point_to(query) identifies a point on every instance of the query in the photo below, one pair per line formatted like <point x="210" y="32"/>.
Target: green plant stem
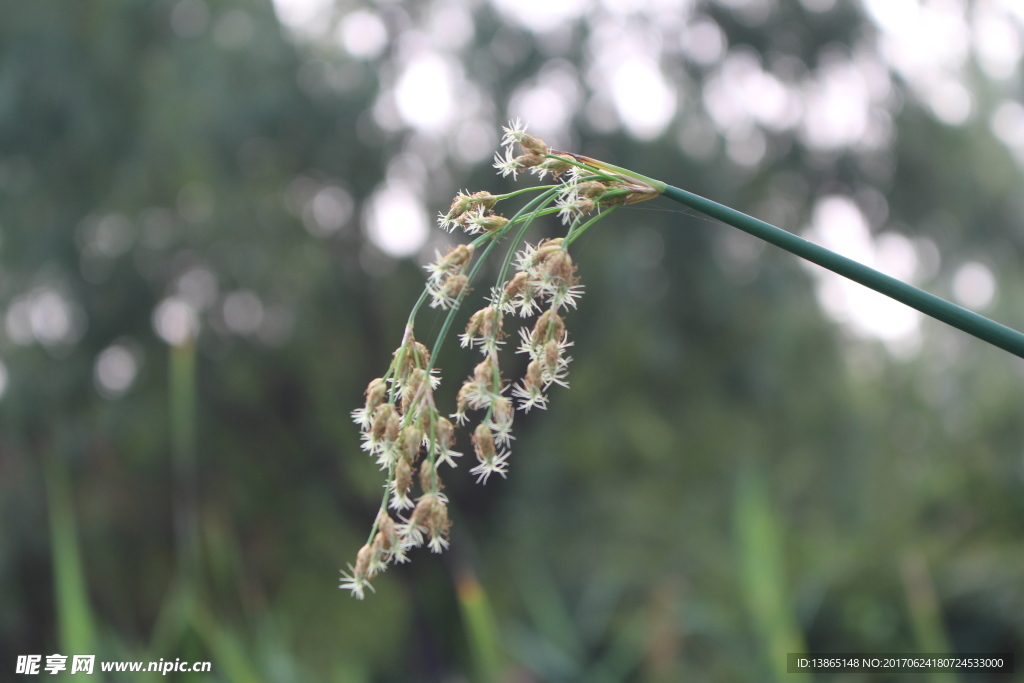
<point x="576" y="232"/>
<point x="76" y="627"/>
<point x="183" y="448"/>
<point x="533" y="188"/>
<point x="598" y="174"/>
<point x="976" y="325"/>
<point x="541" y="201"/>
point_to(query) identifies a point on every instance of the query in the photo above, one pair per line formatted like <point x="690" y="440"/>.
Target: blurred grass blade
<point x="762" y="573"/>
<point x="625" y="652"/>
<point x="226" y="652"/>
<point x="182" y="400"/>
<point x="480" y="626"/>
<point x="173" y="618"/>
<point x="74" y="616"/>
<point x="548" y="611"/>
<point x="925" y="612"/>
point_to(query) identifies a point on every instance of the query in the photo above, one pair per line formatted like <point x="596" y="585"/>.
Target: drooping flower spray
<point x="402" y="427"/>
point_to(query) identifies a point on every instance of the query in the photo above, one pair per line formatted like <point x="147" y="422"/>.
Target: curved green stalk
<point x="541" y="201"/>
<point x="968" y="321"/>
<point x="574" y="234"/>
<point x="515" y="193"/>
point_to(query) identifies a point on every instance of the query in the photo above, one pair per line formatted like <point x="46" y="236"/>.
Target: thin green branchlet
<point x="400" y="424"/>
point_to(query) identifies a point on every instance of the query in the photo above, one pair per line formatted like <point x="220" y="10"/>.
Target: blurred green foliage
<point x="140" y="161"/>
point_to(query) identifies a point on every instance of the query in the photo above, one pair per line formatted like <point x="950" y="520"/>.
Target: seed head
<point x="430" y="516"/>
<point x="465" y="205"/>
<point x="451" y="263"/>
<point x="402" y="484"/>
<point x="392" y="542"/>
<point x="516" y="132"/>
<point x="483" y="442"/>
<point x="555" y="167"/>
<point x="445" y="293"/>
<point x="491" y="460"/>
<point x="485" y="385"/>
<point x="363" y="560"/>
<point x="484" y="330"/>
<point x="414" y="390"/>
<point x="516" y="285"/>
<point x="549" y="326"/>
<point x="429" y="478"/>
<point x="454" y="286"/>
<point x="489" y="223"/>
<point x="444" y="435"/>
<point x="412" y="442"/>
<point x="590" y="189"/>
<point x="380" y="421"/>
<point x="501" y="420"/>
<point x="392" y="427"/>
<point x="444" y="431"/>
<point x="462" y="403"/>
<point x="530" y="391"/>
<point x="357" y="579"/>
<point x="375" y="393"/>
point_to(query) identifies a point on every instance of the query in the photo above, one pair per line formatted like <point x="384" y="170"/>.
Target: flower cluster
<point x="401" y="426"/>
<point x="447" y="276"/>
<point x="403" y="431"/>
<point x="536" y="155"/>
<point x="472" y="213"/>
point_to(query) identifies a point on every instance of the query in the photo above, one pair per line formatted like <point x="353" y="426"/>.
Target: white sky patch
<point x="396" y="221"/>
<point x="474" y="141"/>
<point x="548" y="102"/>
<point x="243" y="312"/>
<point x="175" y="321"/>
<point x="950" y="102"/>
<point x="996" y="40"/>
<point x="115" y="371"/>
<point x="306" y="18"/>
<point x="974" y="286"/>
<point x="644" y="99"/>
<point x="746" y="147"/>
<point x="671" y="11"/>
<point x="1007" y="124"/>
<point x="928" y="42"/>
<point x="541" y="15"/>
<point x="425" y="92"/>
<point x="450" y="25"/>
<point x="363" y="34"/>
<point x="704" y="42"/>
<point x="836" y="107"/>
<point x="625" y="72"/>
<point x="329" y="210"/>
<point x="740" y="93"/>
<point x="839" y="225"/>
<point x="197" y="287"/>
<point x="1012" y="7"/>
<point x="46" y="316"/>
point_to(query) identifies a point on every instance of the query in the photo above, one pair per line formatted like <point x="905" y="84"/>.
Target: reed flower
<point x="400" y="424"/>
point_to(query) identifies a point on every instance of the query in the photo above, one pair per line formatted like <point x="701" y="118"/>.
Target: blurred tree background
<point x="212" y="220"/>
